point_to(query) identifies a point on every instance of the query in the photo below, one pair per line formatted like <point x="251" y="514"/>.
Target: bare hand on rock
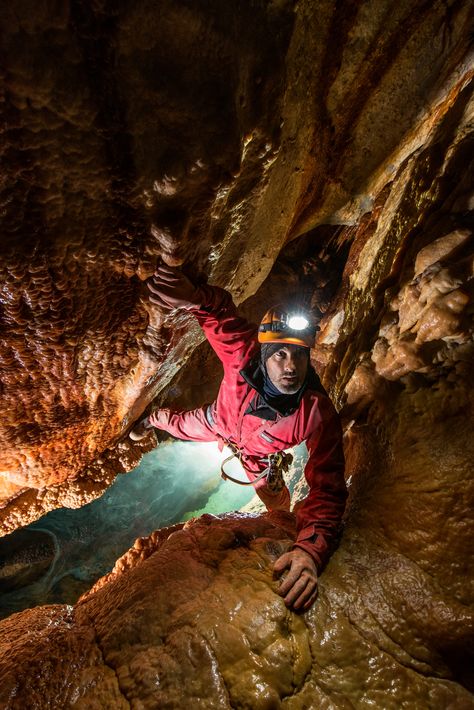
<point x="300" y="585"/>
<point x="170" y="288"/>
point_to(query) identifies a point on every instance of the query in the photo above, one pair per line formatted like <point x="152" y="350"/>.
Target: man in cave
<point x="270" y="399"/>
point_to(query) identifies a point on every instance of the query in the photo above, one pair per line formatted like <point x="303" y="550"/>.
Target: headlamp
<point x="296" y="322"/>
<point x="291" y="322"/>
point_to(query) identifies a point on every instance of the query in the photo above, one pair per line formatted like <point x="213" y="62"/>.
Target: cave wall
<point x="349" y="181"/>
<point x="199" y="134"/>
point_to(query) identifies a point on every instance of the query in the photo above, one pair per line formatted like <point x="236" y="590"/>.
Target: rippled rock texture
<point x="317" y="149"/>
<point x="190" y="617"/>
<point x="208" y="132"/>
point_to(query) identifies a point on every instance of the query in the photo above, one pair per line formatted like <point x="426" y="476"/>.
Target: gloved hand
<point x="170" y="288"/>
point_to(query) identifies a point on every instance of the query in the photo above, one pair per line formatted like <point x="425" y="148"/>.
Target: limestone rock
<point x="210" y="134"/>
<point x="25" y="556"/>
<point x="199" y="622"/>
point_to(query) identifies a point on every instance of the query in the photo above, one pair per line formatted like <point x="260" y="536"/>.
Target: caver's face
<point x="287" y="368"/>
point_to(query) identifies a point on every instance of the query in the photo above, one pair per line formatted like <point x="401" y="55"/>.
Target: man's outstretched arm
<point x="230" y="336"/>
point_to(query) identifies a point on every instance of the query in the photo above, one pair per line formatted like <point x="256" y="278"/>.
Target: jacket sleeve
<point x="318" y="518"/>
<point x="231" y="337"/>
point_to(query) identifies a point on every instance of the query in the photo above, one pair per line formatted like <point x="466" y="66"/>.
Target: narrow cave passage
<point x="313" y="155"/>
<point x="57" y="558"/>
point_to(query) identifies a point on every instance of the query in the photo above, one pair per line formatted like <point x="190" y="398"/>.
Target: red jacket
<point x="315" y="421"/>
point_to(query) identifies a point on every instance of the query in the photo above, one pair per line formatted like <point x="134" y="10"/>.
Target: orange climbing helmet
<point x="294" y="328"/>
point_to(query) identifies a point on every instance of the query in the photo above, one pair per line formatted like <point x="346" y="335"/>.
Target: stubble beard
<point x="289" y="388"/>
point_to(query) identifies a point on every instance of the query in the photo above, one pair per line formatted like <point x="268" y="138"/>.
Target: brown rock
<point x="440" y="249"/>
<point x="24" y="557"/>
<point x="209" y="137"/>
<point x="199" y="622"/>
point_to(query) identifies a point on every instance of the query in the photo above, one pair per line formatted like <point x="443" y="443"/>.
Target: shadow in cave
<point x="307" y="273"/>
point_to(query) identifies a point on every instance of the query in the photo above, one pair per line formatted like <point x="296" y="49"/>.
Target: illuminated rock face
<point x="124" y="135"/>
<point x="350" y="128"/>
<point x="209" y="134"/>
<point x="191" y="617"/>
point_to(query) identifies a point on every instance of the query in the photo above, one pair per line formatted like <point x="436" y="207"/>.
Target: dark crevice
<point x="307" y="274"/>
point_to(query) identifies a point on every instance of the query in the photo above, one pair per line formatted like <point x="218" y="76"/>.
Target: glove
<point x="170" y="288"/>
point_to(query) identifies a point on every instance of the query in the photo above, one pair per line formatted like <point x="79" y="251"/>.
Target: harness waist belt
<point x="278" y="464"/>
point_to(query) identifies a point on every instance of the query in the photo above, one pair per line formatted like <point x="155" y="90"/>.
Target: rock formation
<point x="191" y="616"/>
<point x="319" y="149"/>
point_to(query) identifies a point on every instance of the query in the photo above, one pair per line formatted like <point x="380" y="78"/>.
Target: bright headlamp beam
<point x="298" y="322"/>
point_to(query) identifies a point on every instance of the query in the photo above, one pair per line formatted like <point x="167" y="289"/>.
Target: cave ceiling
<point x="322" y="151"/>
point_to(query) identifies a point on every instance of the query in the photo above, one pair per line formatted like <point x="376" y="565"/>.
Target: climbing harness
<point x="278" y="464"/>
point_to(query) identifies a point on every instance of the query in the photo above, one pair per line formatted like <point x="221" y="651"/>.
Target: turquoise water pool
<point x="60" y="556"/>
<point x="171" y="483"/>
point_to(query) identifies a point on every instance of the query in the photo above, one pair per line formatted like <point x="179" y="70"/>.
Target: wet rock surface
<point x="192" y="615"/>
<point x="338" y="166"/>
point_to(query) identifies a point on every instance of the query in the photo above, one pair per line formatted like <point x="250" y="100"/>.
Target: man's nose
<point x="290" y="364"/>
